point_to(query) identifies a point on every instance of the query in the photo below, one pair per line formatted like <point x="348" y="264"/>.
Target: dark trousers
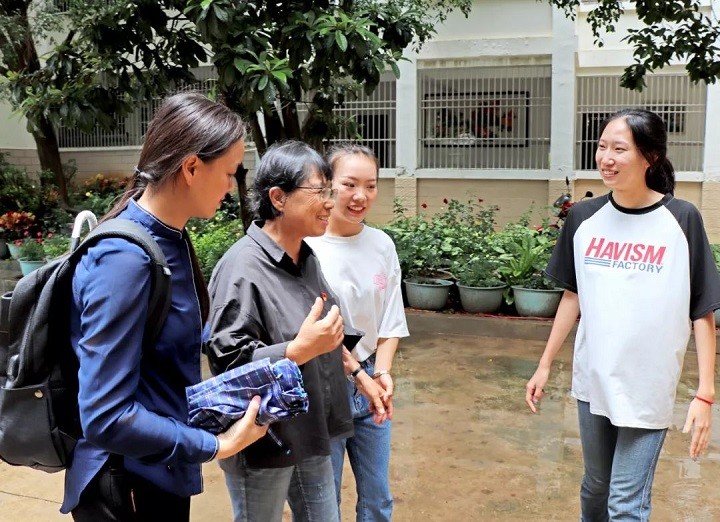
<point x="116" y="495"/>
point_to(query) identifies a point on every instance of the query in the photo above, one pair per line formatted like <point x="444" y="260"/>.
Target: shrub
<point x="56" y="245"/>
<point x="523" y="253"/>
<point x="17" y="225"/>
<point x="214" y="239"/>
<point x="99" y="193"/>
<point x="31" y="249"/>
<point x="443" y="242"/>
<point x="479" y="272"/>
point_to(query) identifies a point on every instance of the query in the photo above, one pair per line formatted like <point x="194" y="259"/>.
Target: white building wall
<point x="13" y="130"/>
<point x="497" y="34"/>
<point x="492" y="19"/>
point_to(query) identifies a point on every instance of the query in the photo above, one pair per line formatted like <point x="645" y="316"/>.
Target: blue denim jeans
<point x="369" y="454"/>
<point x="259" y="494"/>
<point x="619" y="468"/>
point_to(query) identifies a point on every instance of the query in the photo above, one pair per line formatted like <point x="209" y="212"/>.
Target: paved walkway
<point x="465" y="447"/>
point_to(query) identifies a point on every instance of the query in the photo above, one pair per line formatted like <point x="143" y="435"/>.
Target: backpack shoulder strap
<point x="160" y="297"/>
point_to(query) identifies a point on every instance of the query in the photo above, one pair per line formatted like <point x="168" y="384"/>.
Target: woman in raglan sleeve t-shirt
<point x="637" y="264"/>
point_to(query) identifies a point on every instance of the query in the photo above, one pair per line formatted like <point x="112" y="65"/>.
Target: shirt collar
<point x="275" y="251"/>
<point x="136" y="213"/>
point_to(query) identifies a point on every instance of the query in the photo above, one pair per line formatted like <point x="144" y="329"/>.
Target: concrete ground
<point x="464" y="445"/>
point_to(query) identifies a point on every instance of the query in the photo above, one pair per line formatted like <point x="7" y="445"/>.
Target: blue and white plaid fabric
<point x="216" y="403"/>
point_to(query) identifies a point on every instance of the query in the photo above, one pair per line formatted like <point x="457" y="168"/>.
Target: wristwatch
<point x="355" y="373"/>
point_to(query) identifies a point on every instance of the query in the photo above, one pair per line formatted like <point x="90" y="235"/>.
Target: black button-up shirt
<point x="260" y="297"/>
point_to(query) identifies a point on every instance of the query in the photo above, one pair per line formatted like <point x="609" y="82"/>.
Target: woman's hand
<point x="534" y="387"/>
<point x="376" y="395"/>
<point x="699" y="422"/>
<point x="242" y="433"/>
<point x="316" y="336"/>
<point x="386" y="383"/>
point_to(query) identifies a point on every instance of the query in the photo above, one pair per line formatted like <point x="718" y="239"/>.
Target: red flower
<point x="423" y="205"/>
<point x="324" y="296"/>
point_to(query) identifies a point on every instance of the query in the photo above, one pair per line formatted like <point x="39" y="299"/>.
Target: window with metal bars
<point x="674" y="98"/>
<point x="495" y="117"/>
<point x="131" y="129"/>
<point x="370" y="120"/>
<point x="63" y="6"/>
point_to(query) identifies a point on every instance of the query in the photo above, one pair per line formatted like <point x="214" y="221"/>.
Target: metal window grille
<point x="370" y="120"/>
<point x="495" y="117"/>
<point x="63" y="6"/>
<point x="673" y="97"/>
<point x="130" y="130"/>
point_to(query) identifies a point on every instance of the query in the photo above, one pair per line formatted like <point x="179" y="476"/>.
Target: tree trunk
<point x="257" y="135"/>
<point x="274" y="130"/>
<point x="49" y="155"/>
<point x="241" y="179"/>
<point x="291" y="120"/>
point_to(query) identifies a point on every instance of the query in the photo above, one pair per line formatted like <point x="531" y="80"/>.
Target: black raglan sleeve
<point x="561" y="267"/>
<point x="704" y="277"/>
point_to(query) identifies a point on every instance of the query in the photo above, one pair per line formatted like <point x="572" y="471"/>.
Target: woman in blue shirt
<point x="137" y="459"/>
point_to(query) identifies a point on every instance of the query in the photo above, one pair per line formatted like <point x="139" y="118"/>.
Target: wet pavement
<point x="464" y="445"/>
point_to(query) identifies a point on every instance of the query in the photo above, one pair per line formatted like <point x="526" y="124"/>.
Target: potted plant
<point x="538" y="296"/>
<point x="16" y="225"/>
<point x="32" y="254"/>
<point x="56" y="245"/>
<point x="524" y="253"/>
<point x="419" y="252"/>
<point x="479" y="284"/>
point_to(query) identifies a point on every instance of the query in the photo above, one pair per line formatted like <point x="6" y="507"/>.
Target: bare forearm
<point x="385" y="353"/>
<point x="565" y="319"/>
<point x="350" y="364"/>
<point x="704" y="330"/>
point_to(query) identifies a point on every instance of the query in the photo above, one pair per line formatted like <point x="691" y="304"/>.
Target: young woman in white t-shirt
<point x="637" y="263"/>
<point x="361" y="266"/>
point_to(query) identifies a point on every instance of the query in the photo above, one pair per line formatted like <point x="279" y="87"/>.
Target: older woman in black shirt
<point x="262" y="291"/>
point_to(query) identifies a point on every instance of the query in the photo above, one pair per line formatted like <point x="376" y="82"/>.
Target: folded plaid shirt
<point x="216" y="403"/>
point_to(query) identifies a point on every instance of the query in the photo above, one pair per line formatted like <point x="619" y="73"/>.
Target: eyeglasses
<point x="323" y="192"/>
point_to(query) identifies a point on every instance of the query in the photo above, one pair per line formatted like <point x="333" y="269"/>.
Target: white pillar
<point x="406" y="127"/>
<point x="407" y="117"/>
<point x="711" y="156"/>
<point x="563" y="103"/>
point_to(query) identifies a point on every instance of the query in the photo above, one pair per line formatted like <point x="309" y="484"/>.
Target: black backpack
<point x="39" y="418"/>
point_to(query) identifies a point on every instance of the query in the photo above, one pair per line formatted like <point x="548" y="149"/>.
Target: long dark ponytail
<point x="650" y="136"/>
<point x="185" y="124"/>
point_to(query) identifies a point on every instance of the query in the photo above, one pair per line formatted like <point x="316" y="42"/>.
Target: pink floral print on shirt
<point x="380" y="281"/>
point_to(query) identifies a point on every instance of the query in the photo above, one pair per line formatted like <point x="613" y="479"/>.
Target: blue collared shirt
<point x="132" y="402"/>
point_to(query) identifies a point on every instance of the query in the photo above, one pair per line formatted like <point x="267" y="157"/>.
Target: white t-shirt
<point x="363" y="272"/>
<point x="641" y="276"/>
